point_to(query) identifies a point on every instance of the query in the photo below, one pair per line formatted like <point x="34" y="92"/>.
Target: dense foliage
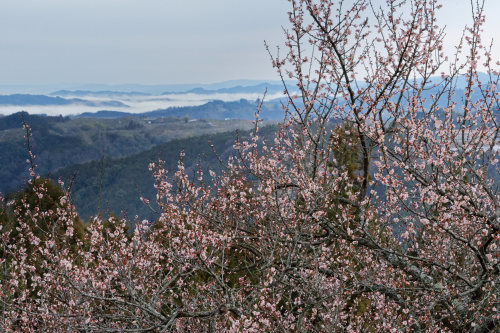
<point x="124" y="180"/>
<point x="387" y="223"/>
<point x="61" y="142"/>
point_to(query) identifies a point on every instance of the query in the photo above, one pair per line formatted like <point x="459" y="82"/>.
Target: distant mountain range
<point x="238" y="89"/>
<point x="114" y="101"/>
<point x="153" y="89"/>
<point x="242" y="109"/>
<point x="158" y="89"/>
<point x="101" y="93"/>
<point x="259" y="89"/>
<point x="27" y="99"/>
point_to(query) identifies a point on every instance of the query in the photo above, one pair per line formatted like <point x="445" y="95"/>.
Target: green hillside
<point x="125" y="179"/>
<point x="59" y="142"/>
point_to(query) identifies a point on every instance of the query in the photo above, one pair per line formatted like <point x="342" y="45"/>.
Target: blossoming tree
<point x="375" y="207"/>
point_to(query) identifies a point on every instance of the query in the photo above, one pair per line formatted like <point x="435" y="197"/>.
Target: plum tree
<point x="375" y="208"/>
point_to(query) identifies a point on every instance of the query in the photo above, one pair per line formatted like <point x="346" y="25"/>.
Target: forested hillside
<point x="125" y="180"/>
<point x="59" y="141"/>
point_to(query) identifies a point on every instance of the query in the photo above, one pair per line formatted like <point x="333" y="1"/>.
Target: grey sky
<point x="154" y="41"/>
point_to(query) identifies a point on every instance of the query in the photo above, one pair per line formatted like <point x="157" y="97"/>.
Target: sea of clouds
<point x="136" y="104"/>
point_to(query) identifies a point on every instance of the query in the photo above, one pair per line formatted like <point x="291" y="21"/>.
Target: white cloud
<point x="137" y="104"/>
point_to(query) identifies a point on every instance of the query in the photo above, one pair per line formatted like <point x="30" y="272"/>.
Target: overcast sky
<point x="155" y="41"/>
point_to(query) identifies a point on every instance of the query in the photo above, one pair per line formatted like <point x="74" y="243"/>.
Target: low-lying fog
<point x="136" y="104"/>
